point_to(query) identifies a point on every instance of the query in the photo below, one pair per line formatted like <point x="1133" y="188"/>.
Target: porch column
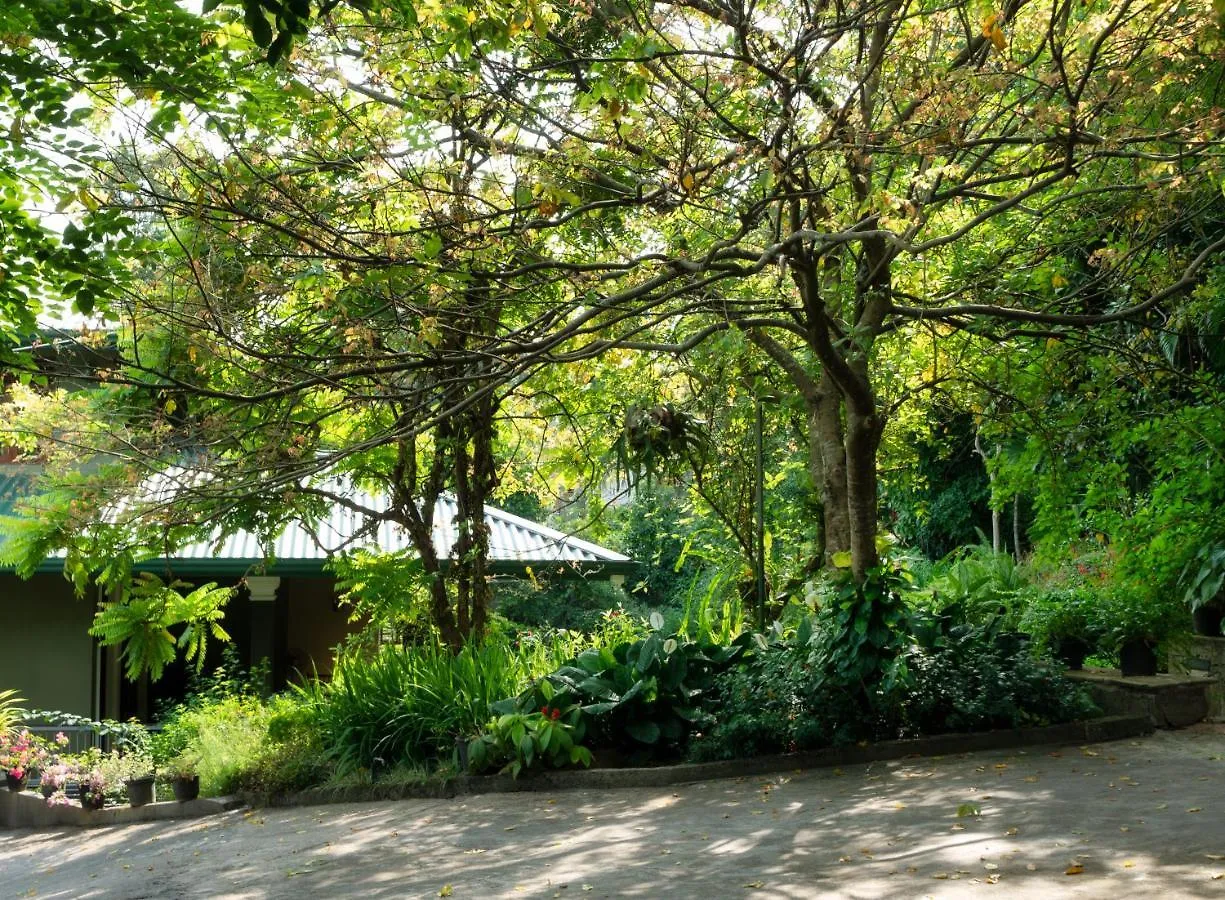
<point x="262" y="590"/>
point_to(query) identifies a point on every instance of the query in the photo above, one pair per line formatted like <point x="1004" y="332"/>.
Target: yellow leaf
<point x="1129" y="864"/>
<point x="989" y="23"/>
<point x="1058" y="281"/>
<point x="841" y="559"/>
<point x="997" y="38"/>
<point x="446" y="891"/>
<point x="1074" y="869"/>
<point x="688" y="183"/>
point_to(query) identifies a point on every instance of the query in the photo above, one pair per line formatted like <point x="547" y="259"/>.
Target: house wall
<point x="46" y="653"/>
<point x="313" y="625"/>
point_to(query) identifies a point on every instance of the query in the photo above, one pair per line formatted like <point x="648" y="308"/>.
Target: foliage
<point x="1132" y="613"/>
<point x="519" y="742"/>
<point x="10" y="710"/>
<point x="572" y="604"/>
<point x="1204" y="576"/>
<point x="860" y="642"/>
<point x="1053" y="614"/>
<point x="986" y="583"/>
<point x="412" y="703"/>
<point x="141" y="623"/>
<point x="940" y="502"/>
<point x="971" y="676"/>
<point x="644" y="695"/>
<point x="22" y="753"/>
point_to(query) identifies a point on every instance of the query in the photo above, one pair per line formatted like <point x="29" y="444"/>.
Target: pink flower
<point x="61" y="739"/>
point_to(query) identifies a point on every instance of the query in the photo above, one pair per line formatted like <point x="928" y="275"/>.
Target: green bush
<point x="518" y="742"/>
<point x="644" y="696"/>
<point x="412" y="704"/>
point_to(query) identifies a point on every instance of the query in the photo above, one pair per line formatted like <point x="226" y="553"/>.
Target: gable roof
<point x="516" y="544"/>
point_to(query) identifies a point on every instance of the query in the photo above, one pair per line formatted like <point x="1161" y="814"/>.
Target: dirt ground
<point x="1140" y="818"/>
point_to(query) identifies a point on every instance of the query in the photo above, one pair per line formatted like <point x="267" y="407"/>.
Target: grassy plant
<point x="412" y="704"/>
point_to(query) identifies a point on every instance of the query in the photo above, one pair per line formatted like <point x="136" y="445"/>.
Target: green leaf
<point x="643" y="730"/>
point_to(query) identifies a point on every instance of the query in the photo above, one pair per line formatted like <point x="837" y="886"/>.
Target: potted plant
<point x="139" y="780"/>
<point x="184" y="778"/>
<point x="1136" y="623"/>
<point x="1203" y="583"/>
<point x="21" y="755"/>
<point x="1063" y="621"/>
<point x="93" y="789"/>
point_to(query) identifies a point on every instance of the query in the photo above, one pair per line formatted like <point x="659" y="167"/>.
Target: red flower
<point x="556" y="714"/>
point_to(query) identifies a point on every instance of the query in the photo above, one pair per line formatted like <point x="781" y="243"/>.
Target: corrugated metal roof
<point x="514" y="542"/>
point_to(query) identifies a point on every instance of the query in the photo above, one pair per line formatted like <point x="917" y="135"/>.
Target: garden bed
<point x="1109" y="728"/>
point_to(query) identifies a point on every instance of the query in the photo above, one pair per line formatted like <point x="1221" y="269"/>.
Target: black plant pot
<point x="186" y="788"/>
<point x="92" y="801"/>
<point x="140" y="790"/>
<point x="1206" y="620"/>
<point x="1072" y="650"/>
<point x="1137" y="658"/>
<point x="15" y="784"/>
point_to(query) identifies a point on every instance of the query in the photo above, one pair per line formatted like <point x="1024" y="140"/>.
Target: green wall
<point x="46" y="653"/>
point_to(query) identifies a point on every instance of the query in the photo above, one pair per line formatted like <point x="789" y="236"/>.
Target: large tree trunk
<point x="863" y="434"/>
<point x="829" y="450"/>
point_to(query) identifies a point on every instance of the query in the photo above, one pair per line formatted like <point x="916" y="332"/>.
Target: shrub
<point x="643" y="695"/>
<point x="412" y="704"/>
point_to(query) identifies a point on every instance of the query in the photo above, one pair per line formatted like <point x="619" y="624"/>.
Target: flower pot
<point x="140" y="790"/>
<point x="46" y="790"/>
<point x="1137" y="657"/>
<point x="1072" y="651"/>
<point x="14" y="783"/>
<point x="90" y="800"/>
<point x="186" y="788"/>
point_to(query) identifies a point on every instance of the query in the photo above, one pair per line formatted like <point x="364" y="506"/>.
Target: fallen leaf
<point x="899" y="806"/>
<point x="993" y="879"/>
<point x="1194" y="809"/>
<point x="1129" y="864"/>
<point x="1218" y="876"/>
<point x="588" y="887"/>
<point x="968" y="809"/>
<point x="1031" y="867"/>
<point x="1124" y="828"/>
<point x="990" y="866"/>
<point x="446" y="891"/>
<point x="943" y="876"/>
<point x="1214" y="856"/>
<point x="754" y="884"/>
<point x="1074" y="869"/>
<point x="1011" y="832"/>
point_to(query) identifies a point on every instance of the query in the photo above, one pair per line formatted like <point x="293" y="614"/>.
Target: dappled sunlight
<point x="1125" y="819"/>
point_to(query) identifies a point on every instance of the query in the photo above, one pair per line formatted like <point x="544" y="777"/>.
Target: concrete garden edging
<point x="1109" y="728"/>
<point x="29" y="810"/>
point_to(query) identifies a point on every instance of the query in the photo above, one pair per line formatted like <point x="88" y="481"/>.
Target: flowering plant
<point x="22" y="753"/>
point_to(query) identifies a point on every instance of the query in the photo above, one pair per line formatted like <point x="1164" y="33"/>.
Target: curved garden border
<point x="1108" y="728"/>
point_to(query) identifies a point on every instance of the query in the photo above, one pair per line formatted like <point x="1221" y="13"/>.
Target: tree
<point x="368" y="249"/>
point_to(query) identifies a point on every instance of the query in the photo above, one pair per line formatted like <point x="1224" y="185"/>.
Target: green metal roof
<point x="515" y="543"/>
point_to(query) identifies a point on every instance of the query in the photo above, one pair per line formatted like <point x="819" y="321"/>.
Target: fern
<point x="141" y="623"/>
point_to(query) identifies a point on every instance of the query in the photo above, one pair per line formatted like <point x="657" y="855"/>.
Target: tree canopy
<point x="428" y="221"/>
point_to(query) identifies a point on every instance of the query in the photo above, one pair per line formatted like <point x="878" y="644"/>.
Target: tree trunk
<point x="863" y="434"/>
<point x="829" y="451"/>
